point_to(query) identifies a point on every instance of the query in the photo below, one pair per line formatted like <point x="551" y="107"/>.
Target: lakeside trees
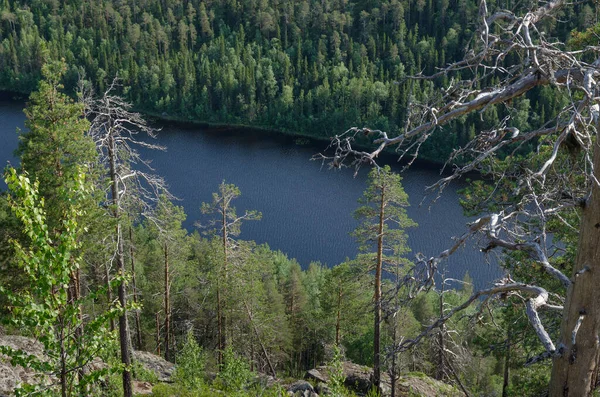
<point x="302" y="66"/>
<point x="533" y="195"/>
<point x="383" y="222"/>
<point x="280" y="318"/>
<point x="229" y="224"/>
<point x="513" y="63"/>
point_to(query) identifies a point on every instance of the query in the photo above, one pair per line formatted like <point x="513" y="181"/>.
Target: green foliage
<point x="166" y="390"/>
<point x="54" y="147"/>
<point x="384" y="193"/>
<point x="191" y="362"/>
<point x="141" y="373"/>
<point x="336" y="374"/>
<point x="234" y="375"/>
<point x="221" y="205"/>
<point x="298" y="66"/>
<point x="373" y="393"/>
<point x="46" y="309"/>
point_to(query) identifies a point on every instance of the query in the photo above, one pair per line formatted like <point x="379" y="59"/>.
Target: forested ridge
<point x="307" y="67"/>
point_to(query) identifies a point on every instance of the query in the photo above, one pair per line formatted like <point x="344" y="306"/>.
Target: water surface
<point x="307" y="208"/>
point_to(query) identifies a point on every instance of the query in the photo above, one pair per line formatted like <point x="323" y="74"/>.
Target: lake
<point x="306" y="207"/>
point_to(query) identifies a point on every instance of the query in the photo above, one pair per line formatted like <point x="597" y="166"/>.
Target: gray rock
<point x="322" y="389"/>
<point x="305" y="393"/>
<point x="300" y="386"/>
<point x="10" y="376"/>
<point x="316" y="375"/>
<point x="161" y="367"/>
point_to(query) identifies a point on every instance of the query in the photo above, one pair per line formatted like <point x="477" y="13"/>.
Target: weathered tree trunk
<point x="74" y="298"/>
<point x="441" y="368"/>
<point x="225" y="275"/>
<point x="220" y="341"/>
<point x="221" y="281"/>
<point x="167" y="307"/>
<point x="573" y="370"/>
<point x="392" y="371"/>
<point x="63" y="359"/>
<point x="377" y="295"/>
<point x="138" y="327"/>
<point x="124" y="338"/>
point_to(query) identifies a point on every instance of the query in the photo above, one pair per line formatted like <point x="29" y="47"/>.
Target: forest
<point x="95" y="265"/>
<point x="305" y="67"/>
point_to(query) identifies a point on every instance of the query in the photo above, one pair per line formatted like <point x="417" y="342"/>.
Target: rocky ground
<point x="315" y="382"/>
<point x="358" y="380"/>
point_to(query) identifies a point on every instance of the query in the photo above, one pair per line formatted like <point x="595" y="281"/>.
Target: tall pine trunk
<point x="221" y="282"/>
<point x="377" y="295"/>
<point x="124" y="338"/>
<point x="167" y="307"/>
<point x="138" y="326"/>
<point x="573" y="371"/>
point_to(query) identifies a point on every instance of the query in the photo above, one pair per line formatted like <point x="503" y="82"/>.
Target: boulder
<point x="142" y="388"/>
<point x="301" y="388"/>
<point x="322" y="389"/>
<point x="418" y="384"/>
<point x="265" y="381"/>
<point x="359" y="379"/>
<point x="161" y="367"/>
<point x="13" y="376"/>
<point x="315" y="375"/>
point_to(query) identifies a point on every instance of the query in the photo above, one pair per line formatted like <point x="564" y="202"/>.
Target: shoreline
<point x="156" y="118"/>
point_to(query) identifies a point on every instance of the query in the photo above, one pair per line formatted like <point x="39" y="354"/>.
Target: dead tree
<point x="114" y="129"/>
<point x="486" y="78"/>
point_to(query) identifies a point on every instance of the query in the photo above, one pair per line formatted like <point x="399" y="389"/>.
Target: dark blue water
<point x="307" y="209"/>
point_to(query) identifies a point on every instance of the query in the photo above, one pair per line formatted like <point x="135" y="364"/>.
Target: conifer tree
<point x="228" y="225"/>
<point x="384" y="219"/>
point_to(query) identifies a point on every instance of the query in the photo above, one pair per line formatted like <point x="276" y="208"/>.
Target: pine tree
<point x="384" y="219"/>
<point x="228" y="224"/>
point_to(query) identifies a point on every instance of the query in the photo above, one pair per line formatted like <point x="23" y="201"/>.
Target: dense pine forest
<point x="96" y="268"/>
<point x="306" y="67"/>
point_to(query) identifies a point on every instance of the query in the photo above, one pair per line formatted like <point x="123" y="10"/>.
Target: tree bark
<point x="441" y="369"/>
<point x="223" y="287"/>
<point x="262" y="346"/>
<point x="138" y="326"/>
<point x="573" y="370"/>
<point x="220" y="341"/>
<point x="109" y="296"/>
<point x="74" y="299"/>
<point x="124" y="338"/>
<point x="167" y="307"/>
<point x="377" y="296"/>
<point x="221" y="281"/>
